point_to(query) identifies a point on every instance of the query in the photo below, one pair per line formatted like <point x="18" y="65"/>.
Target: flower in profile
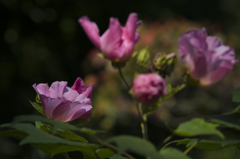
<point x="63" y="103"/>
<point x="147" y="88"/>
<point x="117" y="43"/>
<point x="206" y="58"/>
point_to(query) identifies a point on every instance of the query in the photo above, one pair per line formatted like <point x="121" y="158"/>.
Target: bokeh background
<point x="42" y="42"/>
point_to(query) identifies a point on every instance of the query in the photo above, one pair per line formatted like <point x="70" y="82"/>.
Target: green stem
<point x="143" y="118"/>
<point x="120" y="72"/>
<point x="192" y="146"/>
<point x="166" y="140"/>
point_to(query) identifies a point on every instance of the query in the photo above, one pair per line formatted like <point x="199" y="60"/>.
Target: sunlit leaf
<point x="38" y="107"/>
<point x="172" y="153"/>
<point x="196" y="127"/>
<point x="135" y="145"/>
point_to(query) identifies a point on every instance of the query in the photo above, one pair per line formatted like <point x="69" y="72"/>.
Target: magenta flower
<point x="147" y="88"/>
<point x="207" y="59"/>
<point x="63" y="103"/>
<point x="117" y="43"/>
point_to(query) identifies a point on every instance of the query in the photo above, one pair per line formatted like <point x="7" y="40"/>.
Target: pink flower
<point x="117" y="43"/>
<point x="207" y="59"/>
<point x="147" y="88"/>
<point x="63" y="103"/>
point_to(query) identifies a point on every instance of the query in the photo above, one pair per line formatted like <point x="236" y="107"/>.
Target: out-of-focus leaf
<point x="172" y="153"/>
<point x="236" y="95"/>
<point x="117" y="157"/>
<point x="231" y="120"/>
<point x="38" y="107"/>
<point x="208" y="144"/>
<point x="143" y="58"/>
<point x="63" y="133"/>
<point x="136" y="145"/>
<point x="104" y="153"/>
<point x="14" y="133"/>
<point x="196" y="127"/>
<point x="55" y="124"/>
<point x="50" y="143"/>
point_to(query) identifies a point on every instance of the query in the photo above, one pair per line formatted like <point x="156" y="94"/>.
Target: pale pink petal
<point x="91" y="30"/>
<point x="68" y="111"/>
<point x="49" y="104"/>
<point x="213" y="42"/>
<point x="79" y="85"/>
<point x="41" y="89"/>
<point x="131" y="26"/>
<point x="70" y="94"/>
<point x="111" y="40"/>
<point x="88" y="92"/>
<point x="83" y="99"/>
<point x="57" y="88"/>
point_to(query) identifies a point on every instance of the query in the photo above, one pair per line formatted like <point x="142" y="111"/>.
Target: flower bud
<point x="147" y="88"/>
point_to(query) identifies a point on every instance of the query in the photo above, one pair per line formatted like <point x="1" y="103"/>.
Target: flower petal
<point x="57" y="89"/>
<point x="91" y="30"/>
<point x="111" y="40"/>
<point x="213" y="42"/>
<point x="131" y="26"/>
<point x="70" y="94"/>
<point x="68" y="111"/>
<point x="88" y="92"/>
<point x="41" y="89"/>
<point x="49" y="104"/>
<point x="79" y="85"/>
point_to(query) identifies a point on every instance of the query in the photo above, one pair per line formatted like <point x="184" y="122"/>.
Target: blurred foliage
<point x="42" y="42"/>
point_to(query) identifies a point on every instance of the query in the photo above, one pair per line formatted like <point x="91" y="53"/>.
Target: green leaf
<point x="236" y="95"/>
<point x="104" y="153"/>
<point x="63" y="133"/>
<point x="117" y="157"/>
<point x="55" y="124"/>
<point x="136" y="145"/>
<point x="231" y="120"/>
<point x="38" y="107"/>
<point x="143" y="58"/>
<point x="209" y="144"/>
<point x="172" y="153"/>
<point x="14" y="133"/>
<point x="50" y="143"/>
<point x="196" y="127"/>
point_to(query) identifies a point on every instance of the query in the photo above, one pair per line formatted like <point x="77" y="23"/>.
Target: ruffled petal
<point x="68" y="111"/>
<point x="70" y="94"/>
<point x="49" y="104"/>
<point x="41" y="89"/>
<point x="79" y="86"/>
<point x="131" y="26"/>
<point x="83" y="99"/>
<point x="91" y="30"/>
<point x="57" y="89"/>
<point x="213" y="42"/>
<point x="111" y="40"/>
<point x="88" y="92"/>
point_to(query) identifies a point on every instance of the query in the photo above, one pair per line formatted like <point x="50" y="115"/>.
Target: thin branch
<point x="120" y="72"/>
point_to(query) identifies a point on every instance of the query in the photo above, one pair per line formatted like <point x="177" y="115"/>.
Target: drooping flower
<point x="63" y="103"/>
<point x="206" y="58"/>
<point x="147" y="88"/>
<point x="117" y="43"/>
